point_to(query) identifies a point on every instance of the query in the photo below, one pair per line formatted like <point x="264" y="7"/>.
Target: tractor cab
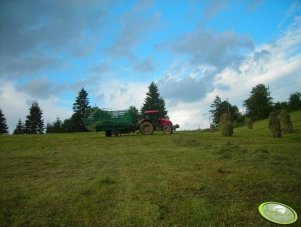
<point x="154" y="117"/>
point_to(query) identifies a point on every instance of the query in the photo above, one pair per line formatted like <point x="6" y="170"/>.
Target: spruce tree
<point x="153" y="101"/>
<point x="19" y="128"/>
<point x="81" y="103"/>
<point x="218" y="107"/>
<point x="215" y="110"/>
<point x="81" y="109"/>
<point x="55" y="127"/>
<point x="3" y="125"/>
<point x="34" y="123"/>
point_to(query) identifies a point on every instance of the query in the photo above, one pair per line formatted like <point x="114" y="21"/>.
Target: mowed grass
<point x="183" y="179"/>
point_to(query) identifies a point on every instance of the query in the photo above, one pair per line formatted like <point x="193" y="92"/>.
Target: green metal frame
<point x="120" y="120"/>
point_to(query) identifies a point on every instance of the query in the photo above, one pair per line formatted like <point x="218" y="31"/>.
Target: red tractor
<point x="152" y="122"/>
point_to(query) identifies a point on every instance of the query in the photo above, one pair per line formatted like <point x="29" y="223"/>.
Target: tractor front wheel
<point x="167" y="129"/>
<point x="146" y="128"/>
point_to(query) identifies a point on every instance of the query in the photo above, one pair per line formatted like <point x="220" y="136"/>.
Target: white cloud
<point x="276" y="64"/>
<point x="15" y="105"/>
<point x="115" y="94"/>
<point x="191" y="115"/>
<point x="280" y="69"/>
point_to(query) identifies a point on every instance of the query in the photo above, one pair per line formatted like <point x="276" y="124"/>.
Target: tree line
<point x="258" y="106"/>
<point x="34" y="123"/>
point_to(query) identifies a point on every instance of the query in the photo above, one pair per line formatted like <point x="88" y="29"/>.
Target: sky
<point x="193" y="50"/>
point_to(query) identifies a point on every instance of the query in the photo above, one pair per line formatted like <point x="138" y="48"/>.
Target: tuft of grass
<point x="181" y="179"/>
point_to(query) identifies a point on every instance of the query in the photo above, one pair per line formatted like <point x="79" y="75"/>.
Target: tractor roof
<point x="151" y="111"/>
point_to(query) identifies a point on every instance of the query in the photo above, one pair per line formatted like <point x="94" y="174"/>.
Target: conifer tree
<point x="81" y="103"/>
<point x="215" y="112"/>
<point x="3" y="125"/>
<point x="55" y="127"/>
<point x="218" y="107"/>
<point x="34" y="123"/>
<point x="81" y="109"/>
<point x="153" y="101"/>
<point x="19" y="128"/>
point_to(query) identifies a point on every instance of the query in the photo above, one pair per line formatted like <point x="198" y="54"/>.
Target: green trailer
<point x="111" y="122"/>
<point x="126" y="121"/>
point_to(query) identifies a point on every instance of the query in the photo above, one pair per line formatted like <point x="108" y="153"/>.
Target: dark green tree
<point x="49" y="128"/>
<point x="67" y="126"/>
<point x="153" y="101"/>
<point x="20" y="128"/>
<point x="218" y="107"/>
<point x="215" y="110"/>
<point x="134" y="112"/>
<point x="278" y="106"/>
<point x="81" y="108"/>
<point x="259" y="104"/>
<point x="294" y="102"/>
<point x="55" y="127"/>
<point x="3" y="125"/>
<point x="77" y="125"/>
<point x="34" y="123"/>
<point x="81" y="103"/>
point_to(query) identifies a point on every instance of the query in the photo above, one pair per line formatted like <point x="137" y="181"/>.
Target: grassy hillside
<point x="183" y="179"/>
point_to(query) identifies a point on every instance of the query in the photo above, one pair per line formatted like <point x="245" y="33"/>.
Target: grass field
<point x="183" y="179"/>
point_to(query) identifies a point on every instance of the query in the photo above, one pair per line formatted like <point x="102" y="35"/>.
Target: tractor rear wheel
<point x="167" y="129"/>
<point x="146" y="128"/>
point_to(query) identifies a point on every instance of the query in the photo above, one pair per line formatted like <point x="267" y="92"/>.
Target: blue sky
<point x="194" y="50"/>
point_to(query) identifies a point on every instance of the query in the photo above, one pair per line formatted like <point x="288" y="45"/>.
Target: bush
<point x="274" y="125"/>
<point x="285" y="122"/>
<point x="226" y="125"/>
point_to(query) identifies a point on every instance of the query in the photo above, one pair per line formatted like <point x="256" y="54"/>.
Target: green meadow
<point x="181" y="179"/>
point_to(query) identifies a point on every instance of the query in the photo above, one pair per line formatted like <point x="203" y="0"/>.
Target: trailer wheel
<point x="146" y="128"/>
<point x="108" y="133"/>
<point x="167" y="129"/>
